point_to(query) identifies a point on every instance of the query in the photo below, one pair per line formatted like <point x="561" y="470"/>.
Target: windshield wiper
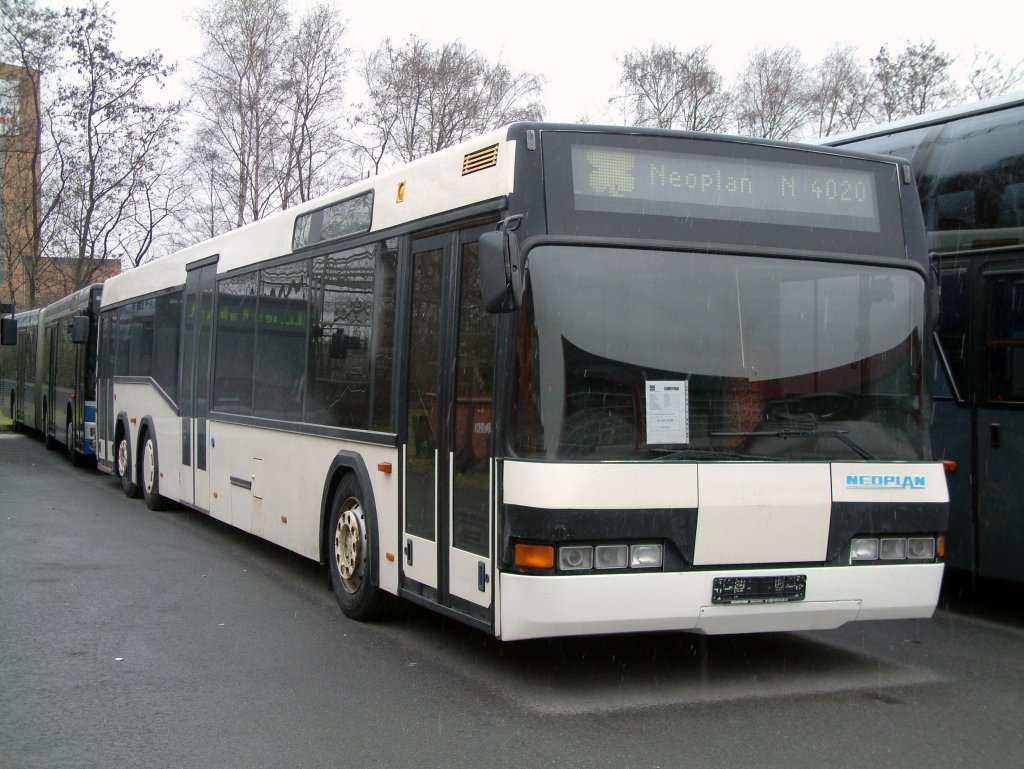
<point x="702" y="454"/>
<point x="839" y="435"/>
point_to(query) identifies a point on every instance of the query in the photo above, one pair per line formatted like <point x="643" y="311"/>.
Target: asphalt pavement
<point x="130" y="638"/>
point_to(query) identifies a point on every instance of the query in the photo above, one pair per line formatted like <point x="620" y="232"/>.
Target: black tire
<point x="73" y="454"/>
<point x="48" y="441"/>
<point x="123" y="466"/>
<point x="349" y="549"/>
<point x="149" y="475"/>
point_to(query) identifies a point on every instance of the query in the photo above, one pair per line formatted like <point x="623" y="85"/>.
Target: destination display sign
<point x="634" y="181"/>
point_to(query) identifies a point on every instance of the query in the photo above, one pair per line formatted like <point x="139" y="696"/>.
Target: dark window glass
<point x="952" y="328"/>
<point x="974" y="183"/>
<point x="236" y="344"/>
<point x="207" y="288"/>
<point x="473" y="385"/>
<point x="424" y="361"/>
<point x="1003" y="346"/>
<point x="349" y="217"/>
<point x="165" y="342"/>
<point x="339" y="392"/>
<point x="105" y="364"/>
<point x="122" y="341"/>
<point x="67" y="358"/>
<point x="89" y="376"/>
<point x="141" y="346"/>
<point x="281" y="325"/>
<point x="383" y="336"/>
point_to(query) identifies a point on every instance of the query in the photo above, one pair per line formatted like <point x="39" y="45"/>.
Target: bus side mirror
<point x="80" y="329"/>
<point x="501" y="271"/>
<point x="8" y="332"/>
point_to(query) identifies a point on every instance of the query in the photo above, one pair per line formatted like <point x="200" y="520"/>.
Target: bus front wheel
<point x="350" y="544"/>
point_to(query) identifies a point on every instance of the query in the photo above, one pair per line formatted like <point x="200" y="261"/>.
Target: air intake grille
<point x="479" y="160"/>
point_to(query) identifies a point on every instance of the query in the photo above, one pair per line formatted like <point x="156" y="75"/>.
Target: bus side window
<point x="1003" y="356"/>
<point x="952" y="328"/>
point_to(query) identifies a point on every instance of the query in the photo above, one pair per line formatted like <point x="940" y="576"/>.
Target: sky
<point x="576" y="46"/>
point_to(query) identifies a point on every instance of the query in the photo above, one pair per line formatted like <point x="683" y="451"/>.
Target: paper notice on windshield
<point x="668" y="412"/>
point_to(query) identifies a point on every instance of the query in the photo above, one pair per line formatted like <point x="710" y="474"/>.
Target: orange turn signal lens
<point x="949" y="465"/>
<point x="535" y="556"/>
<point x="940" y="545"/>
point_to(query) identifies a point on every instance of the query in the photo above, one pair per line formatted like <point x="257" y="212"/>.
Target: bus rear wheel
<point x="350" y="545"/>
<point x="150" y="475"/>
<point x="124" y="467"/>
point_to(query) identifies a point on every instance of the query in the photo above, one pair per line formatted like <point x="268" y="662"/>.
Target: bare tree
<point x="990" y="76"/>
<point x="421" y="99"/>
<point x="772" y="96"/>
<point x="89" y="169"/>
<point x="270" y="99"/>
<point x="316" y="68"/>
<point x="241" y="90"/>
<point x="114" y="146"/>
<point x="840" y="98"/>
<point x="914" y="82"/>
<point x="668" y="88"/>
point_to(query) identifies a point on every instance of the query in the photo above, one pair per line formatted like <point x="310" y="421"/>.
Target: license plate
<point x="751" y="590"/>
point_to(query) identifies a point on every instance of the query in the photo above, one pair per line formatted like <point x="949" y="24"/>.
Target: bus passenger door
<point x="49" y="382"/>
<point x="448" y="522"/>
<point x="1000" y="418"/>
<point x="200" y="283"/>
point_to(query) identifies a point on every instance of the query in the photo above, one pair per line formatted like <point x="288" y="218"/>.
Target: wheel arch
<point x="350" y="463"/>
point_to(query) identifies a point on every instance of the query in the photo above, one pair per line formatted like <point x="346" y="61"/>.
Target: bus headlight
<point x="645" y="556"/>
<point x="893" y="549"/>
<point x="921" y="548"/>
<point x="611" y="556"/>
<point x="864" y="550"/>
<point x="575" y="557"/>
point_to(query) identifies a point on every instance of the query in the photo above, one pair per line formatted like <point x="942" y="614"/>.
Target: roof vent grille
<point x="479" y="160"/>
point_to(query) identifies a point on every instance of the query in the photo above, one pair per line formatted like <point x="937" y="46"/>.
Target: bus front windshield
<point x="625" y="354"/>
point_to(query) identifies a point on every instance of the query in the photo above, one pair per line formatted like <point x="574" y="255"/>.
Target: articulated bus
<point x="48" y="377"/>
<point x="969" y="164"/>
<point x="557" y="381"/>
<point x="18" y="371"/>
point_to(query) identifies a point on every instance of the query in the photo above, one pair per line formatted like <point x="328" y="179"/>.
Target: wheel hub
<point x="348" y="545"/>
<point x="122" y="457"/>
<point x="149" y="467"/>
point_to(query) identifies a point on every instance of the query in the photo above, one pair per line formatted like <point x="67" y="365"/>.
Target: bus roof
<point x="932" y="118"/>
<point x="432" y="184"/>
<point x="444" y="181"/>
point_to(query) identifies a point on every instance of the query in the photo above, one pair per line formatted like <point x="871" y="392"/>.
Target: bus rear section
<point x="717" y="407"/>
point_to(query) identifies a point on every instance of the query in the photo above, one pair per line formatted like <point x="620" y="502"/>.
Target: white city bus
<point x="556" y="381"/>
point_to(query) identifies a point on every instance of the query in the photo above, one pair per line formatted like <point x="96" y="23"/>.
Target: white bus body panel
<point x="538" y="607"/>
<point x="747" y="513"/>
<point x="599" y="486"/>
<point x="287" y="472"/>
<point x="762" y="513"/>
